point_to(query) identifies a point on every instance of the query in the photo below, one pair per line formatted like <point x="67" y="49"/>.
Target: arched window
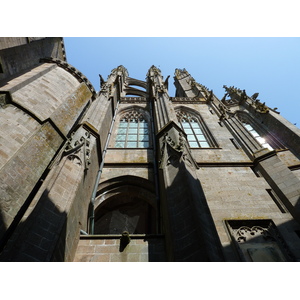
<point x="260" y="132"/>
<point x="259" y="138"/>
<point x="133" y="131"/>
<point x="197" y="133"/>
<point x="126" y="203"/>
<point x="125" y="213"/>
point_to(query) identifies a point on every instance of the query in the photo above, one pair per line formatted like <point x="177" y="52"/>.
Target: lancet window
<point x="133" y="131"/>
<point x="198" y="135"/>
<point x="259" y="138"/>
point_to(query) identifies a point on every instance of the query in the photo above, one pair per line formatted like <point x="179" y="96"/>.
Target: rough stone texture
<point x="49" y="229"/>
<point x="139" y="156"/>
<point x="284" y="130"/>
<point x="20" y="54"/>
<point x="28" y="147"/>
<point x="21" y="173"/>
<point x="288" y="158"/>
<point x="16" y="129"/>
<point x="9" y="42"/>
<point x="59" y="169"/>
<point x="297" y="173"/>
<point x="130" y="170"/>
<point x="57" y="85"/>
<point x="283" y="181"/>
<point x="108" y="250"/>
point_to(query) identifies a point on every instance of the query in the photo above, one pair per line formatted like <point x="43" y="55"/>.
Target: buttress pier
<point x="130" y="173"/>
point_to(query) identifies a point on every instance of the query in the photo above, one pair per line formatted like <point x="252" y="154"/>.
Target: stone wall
<point x="237" y="193"/>
<point x="35" y="125"/>
<point x="104" y="249"/>
<point x="20" y="54"/>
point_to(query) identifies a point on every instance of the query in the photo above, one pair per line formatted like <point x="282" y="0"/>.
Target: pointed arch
<point x="198" y="134"/>
<point x="125" y="203"/>
<point x="133" y="128"/>
<point x="258" y="131"/>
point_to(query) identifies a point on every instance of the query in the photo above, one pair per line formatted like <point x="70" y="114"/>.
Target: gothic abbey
<point x="131" y="174"/>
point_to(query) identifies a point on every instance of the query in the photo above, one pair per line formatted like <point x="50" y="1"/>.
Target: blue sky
<point x="269" y="66"/>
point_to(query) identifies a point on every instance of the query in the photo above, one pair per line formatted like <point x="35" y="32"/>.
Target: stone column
<point x="163" y="109"/>
<point x="190" y="231"/>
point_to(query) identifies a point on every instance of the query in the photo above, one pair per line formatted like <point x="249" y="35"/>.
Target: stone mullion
<point x="158" y="114"/>
<point x="243" y="136"/>
<point x="164" y="113"/>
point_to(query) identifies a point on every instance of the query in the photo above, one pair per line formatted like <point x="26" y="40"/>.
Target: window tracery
<point x="198" y="135"/>
<point x="258" y="240"/>
<point x="262" y="141"/>
<point x="133" y="131"/>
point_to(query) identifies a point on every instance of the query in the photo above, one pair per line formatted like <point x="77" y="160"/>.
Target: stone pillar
<point x="49" y="229"/>
<point x="41" y="108"/>
<point x="282" y="180"/>
<point x="190" y="231"/>
<point x="163" y="110"/>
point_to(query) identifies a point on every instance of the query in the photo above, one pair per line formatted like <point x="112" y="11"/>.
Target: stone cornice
<point x="72" y="70"/>
<point x="133" y="100"/>
<point x="188" y="100"/>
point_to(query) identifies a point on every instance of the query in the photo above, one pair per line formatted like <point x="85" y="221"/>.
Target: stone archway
<point x="126" y="205"/>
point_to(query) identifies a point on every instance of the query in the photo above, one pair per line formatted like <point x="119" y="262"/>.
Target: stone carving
<point x="156" y="72"/>
<point x="80" y="141"/>
<point x="254" y="96"/>
<point x="102" y="81"/>
<point x="210" y="96"/>
<point x="133" y="115"/>
<point x="225" y="112"/>
<point x="181" y="73"/>
<point x="120" y="69"/>
<point x="5" y="98"/>
<point x="166" y="84"/>
<point x="159" y="89"/>
<point x="265" y="235"/>
<point x="244" y="233"/>
<point x="175" y="149"/>
<point x="236" y="96"/>
<point x="260" y="107"/>
<point x="75" y="159"/>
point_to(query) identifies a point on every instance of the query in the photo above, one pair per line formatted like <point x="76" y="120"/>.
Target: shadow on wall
<point x="125" y="203"/>
<point x="261" y="241"/>
<point x="190" y="231"/>
<point x="2" y="229"/>
<point x="39" y="238"/>
<point x="155" y="251"/>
